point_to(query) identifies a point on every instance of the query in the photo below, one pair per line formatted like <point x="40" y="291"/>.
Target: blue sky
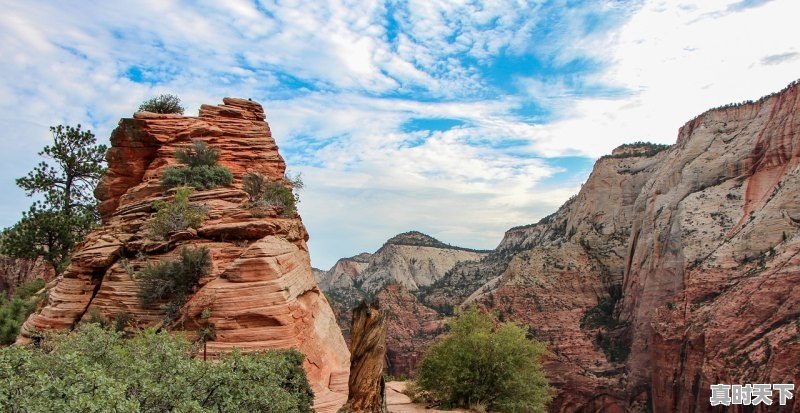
<point x="456" y="118"/>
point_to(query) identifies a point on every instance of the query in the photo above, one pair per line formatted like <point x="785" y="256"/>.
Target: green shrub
<point x="97" y="370"/>
<point x="177" y="215"/>
<point x="198" y="154"/>
<point x="29" y="289"/>
<point x="201" y="177"/>
<point x="173" y="278"/>
<point x="14" y="311"/>
<point x="201" y="170"/>
<point x="265" y="194"/>
<point x="480" y="364"/>
<point x="164" y="103"/>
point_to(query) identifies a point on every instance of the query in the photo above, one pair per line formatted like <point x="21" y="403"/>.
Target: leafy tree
<point x="479" y="363"/>
<point x="164" y="103"/>
<point x="51" y="228"/>
<point x="200" y="171"/>
<point x="97" y="370"/>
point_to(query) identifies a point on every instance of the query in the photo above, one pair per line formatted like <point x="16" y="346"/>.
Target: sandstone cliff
<point x="672" y="269"/>
<point x="260" y="294"/>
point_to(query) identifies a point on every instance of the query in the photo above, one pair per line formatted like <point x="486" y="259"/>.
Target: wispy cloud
<point x="455" y="118"/>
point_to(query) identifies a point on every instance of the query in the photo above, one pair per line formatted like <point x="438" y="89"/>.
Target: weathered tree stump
<point x="368" y="350"/>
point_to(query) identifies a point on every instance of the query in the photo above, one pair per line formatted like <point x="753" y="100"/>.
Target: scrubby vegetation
<point x="176" y="215"/>
<point x="164" y="103"/>
<point x="15" y="310"/>
<point x="483" y="363"/>
<point x="173" y="279"/>
<point x="642" y="149"/>
<point x="97" y="370"/>
<point x="265" y="195"/>
<point x="200" y="168"/>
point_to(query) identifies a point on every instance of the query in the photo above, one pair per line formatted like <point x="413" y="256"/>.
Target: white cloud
<point x="358" y="79"/>
<point x="679" y="61"/>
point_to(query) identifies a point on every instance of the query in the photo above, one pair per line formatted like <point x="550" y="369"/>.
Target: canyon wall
<point x="672" y="269"/>
<point x="260" y="294"/>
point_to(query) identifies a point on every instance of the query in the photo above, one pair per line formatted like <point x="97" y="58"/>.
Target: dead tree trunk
<point x="368" y="350"/>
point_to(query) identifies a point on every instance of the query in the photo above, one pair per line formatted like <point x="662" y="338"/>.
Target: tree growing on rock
<point x="164" y="103"/>
<point x="52" y="227"/>
<point x="483" y="363"/>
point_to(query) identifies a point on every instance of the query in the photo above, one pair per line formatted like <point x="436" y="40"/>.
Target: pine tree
<point x="51" y="228"/>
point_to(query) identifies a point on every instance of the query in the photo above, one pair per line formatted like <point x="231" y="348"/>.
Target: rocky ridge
<point x="672" y="269"/>
<point x="260" y="294"/>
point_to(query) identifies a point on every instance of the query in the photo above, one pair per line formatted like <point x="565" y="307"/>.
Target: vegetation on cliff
<point x="164" y="103"/>
<point x="173" y="279"/>
<point x="483" y="363"/>
<point x="200" y="168"/>
<point x="176" y="215"/>
<point x="96" y="369"/>
<point x="264" y="195"/>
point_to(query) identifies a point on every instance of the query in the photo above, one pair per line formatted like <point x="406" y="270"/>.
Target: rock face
<point x="671" y="270"/>
<point x="15" y="272"/>
<point x="260" y="294"/>
<point x="407" y="262"/>
<point x="413" y="260"/>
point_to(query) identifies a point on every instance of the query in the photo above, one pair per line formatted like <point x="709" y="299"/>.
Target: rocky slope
<point x="408" y="262"/>
<point x="672" y="269"/>
<point x="15" y="272"/>
<point x="260" y="294"/>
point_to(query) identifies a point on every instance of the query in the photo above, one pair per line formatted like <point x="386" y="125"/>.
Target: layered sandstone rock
<point x="260" y="294"/>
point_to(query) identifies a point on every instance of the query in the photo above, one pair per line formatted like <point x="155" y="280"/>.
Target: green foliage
<point x="97" y="370"/>
<point x="12" y="314"/>
<point x="201" y="177"/>
<point x="281" y="195"/>
<point x="14" y="311"/>
<point x="198" y="154"/>
<point x="201" y="170"/>
<point x="29" y="289"/>
<point x="164" y="103"/>
<point x="173" y="278"/>
<point x="479" y="363"/>
<point x="177" y="215"/>
<point x="53" y="227"/>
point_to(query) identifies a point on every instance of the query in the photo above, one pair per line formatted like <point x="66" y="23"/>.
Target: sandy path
<point x="400" y="403"/>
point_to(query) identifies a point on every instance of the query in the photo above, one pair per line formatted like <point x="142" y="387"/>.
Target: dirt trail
<point x="400" y="403"/>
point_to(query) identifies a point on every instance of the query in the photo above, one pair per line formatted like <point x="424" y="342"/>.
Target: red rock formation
<point x="260" y="293"/>
<point x="15" y="272"/>
<point x="412" y="328"/>
<point x="712" y="290"/>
